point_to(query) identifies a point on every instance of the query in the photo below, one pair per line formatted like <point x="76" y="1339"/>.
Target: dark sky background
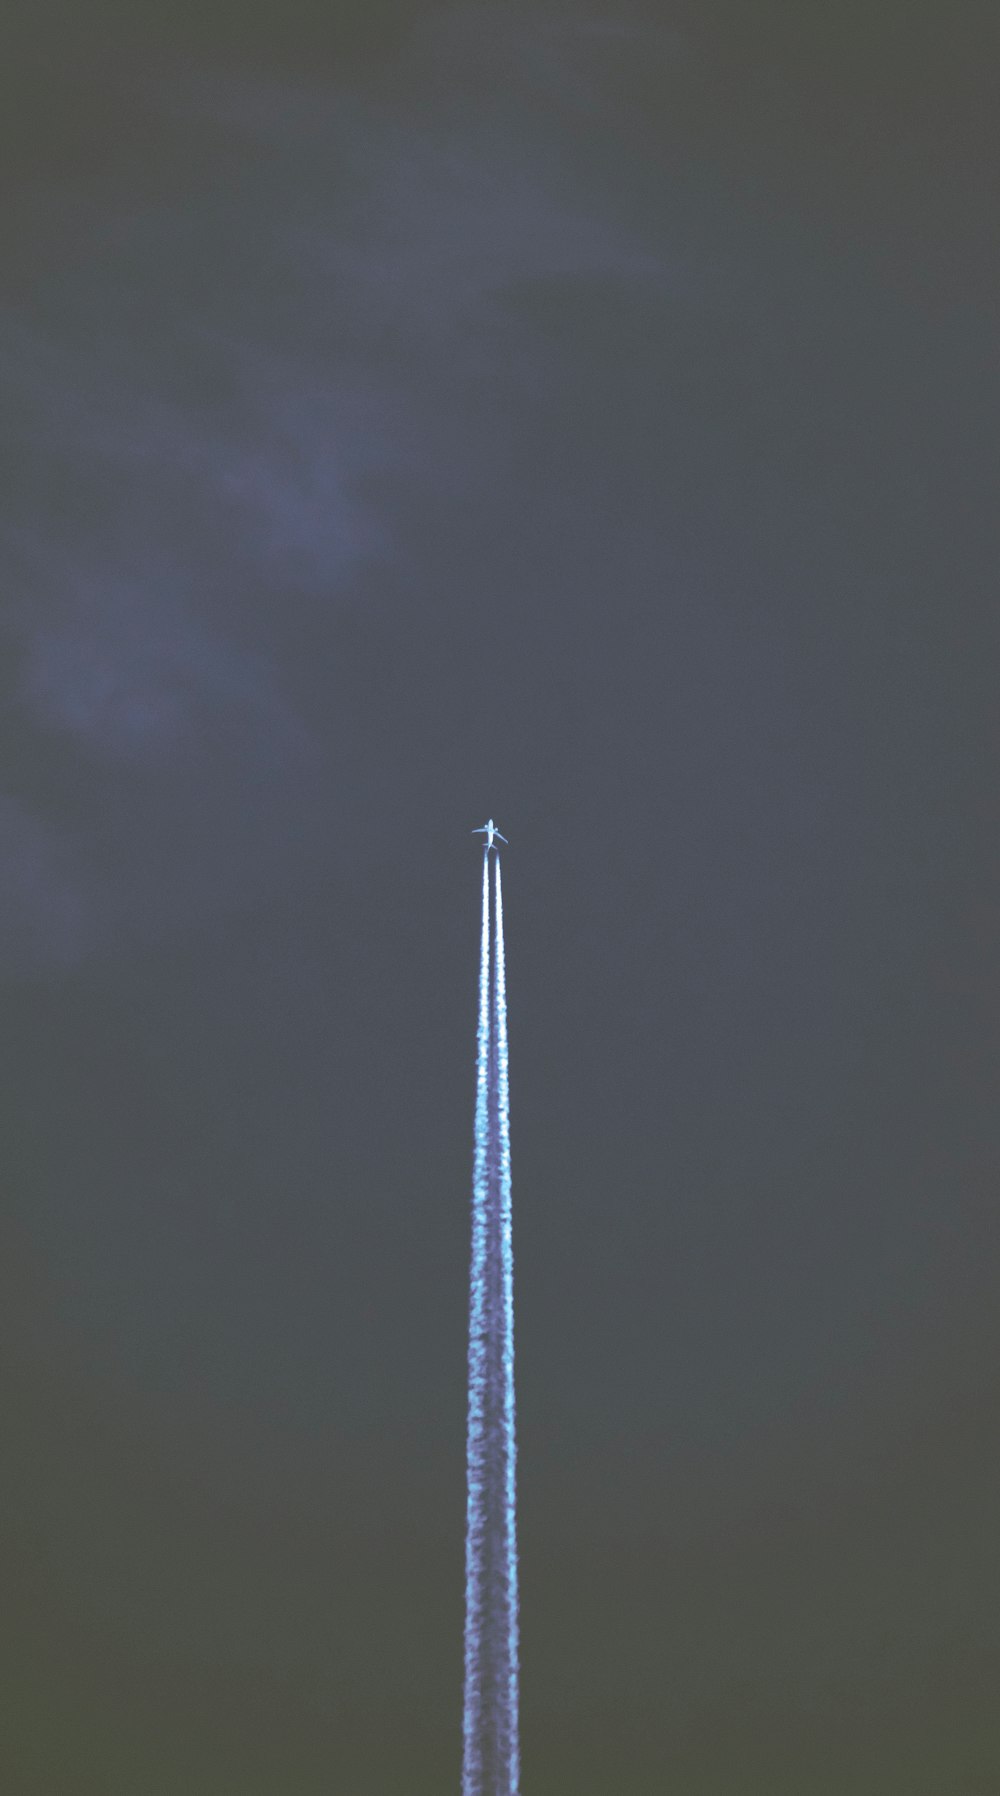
<point x="589" y="417"/>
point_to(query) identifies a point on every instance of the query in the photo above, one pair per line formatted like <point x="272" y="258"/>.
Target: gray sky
<point x="587" y="419"/>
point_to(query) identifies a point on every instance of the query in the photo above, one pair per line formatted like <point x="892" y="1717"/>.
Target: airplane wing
<point x="481" y="831"/>
<point x="500" y="838"/>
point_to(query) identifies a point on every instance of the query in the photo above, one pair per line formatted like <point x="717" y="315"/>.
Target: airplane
<point x="492" y="834"/>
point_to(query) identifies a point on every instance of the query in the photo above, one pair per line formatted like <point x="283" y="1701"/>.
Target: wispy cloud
<point x="203" y="405"/>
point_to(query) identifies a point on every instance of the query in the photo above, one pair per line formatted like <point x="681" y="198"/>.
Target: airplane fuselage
<point x="492" y="834"/>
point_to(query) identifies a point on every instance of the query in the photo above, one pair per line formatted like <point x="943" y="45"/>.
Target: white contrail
<point x="476" y="1618"/>
<point x="490" y="1762"/>
<point x="509" y="1731"/>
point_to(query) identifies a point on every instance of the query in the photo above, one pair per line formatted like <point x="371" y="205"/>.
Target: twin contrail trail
<point x="490" y="1759"/>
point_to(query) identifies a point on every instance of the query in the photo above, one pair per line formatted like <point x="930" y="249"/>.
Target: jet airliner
<point x="492" y="834"/>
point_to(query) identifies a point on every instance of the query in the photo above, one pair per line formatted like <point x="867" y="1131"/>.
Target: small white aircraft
<point x="492" y="834"/>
